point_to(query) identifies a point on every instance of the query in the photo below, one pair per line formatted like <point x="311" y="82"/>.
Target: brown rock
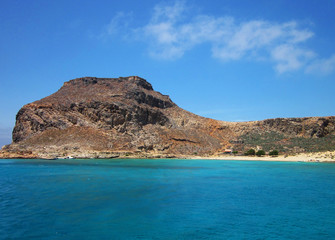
<point x="90" y="117"/>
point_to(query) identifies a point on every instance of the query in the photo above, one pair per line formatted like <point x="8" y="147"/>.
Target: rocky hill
<point x="110" y="117"/>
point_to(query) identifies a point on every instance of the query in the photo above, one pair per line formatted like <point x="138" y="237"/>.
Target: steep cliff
<point x="108" y="117"/>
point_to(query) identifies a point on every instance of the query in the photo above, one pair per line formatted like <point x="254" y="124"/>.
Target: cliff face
<point x="106" y="117"/>
<point x="106" y="104"/>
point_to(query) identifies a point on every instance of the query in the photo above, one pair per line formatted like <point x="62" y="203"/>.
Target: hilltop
<point x="93" y="117"/>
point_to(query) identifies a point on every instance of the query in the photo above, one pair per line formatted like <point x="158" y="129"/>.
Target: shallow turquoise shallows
<point x="166" y="199"/>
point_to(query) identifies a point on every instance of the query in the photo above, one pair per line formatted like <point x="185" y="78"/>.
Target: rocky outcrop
<point x="315" y="127"/>
<point x="106" y="117"/>
<point x="91" y="102"/>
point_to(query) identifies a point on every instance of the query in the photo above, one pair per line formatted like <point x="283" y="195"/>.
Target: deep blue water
<point x="166" y="199"/>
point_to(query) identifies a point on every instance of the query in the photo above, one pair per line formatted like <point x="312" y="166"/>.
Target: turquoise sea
<point x="166" y="199"/>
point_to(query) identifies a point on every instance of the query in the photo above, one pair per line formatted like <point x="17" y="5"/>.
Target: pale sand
<point x="302" y="157"/>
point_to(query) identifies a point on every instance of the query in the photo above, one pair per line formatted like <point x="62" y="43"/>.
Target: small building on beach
<point x="228" y="151"/>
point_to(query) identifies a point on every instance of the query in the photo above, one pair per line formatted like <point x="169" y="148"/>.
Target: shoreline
<point x="311" y="157"/>
<point x="266" y="159"/>
<point x="327" y="156"/>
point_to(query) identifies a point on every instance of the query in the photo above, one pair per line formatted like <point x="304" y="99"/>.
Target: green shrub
<point x="274" y="153"/>
<point x="250" y="152"/>
<point x="260" y="153"/>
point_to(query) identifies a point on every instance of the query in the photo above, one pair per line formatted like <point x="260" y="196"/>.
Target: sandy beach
<point x="328" y="156"/>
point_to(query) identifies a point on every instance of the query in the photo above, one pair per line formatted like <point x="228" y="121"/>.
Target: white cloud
<point x="249" y="36"/>
<point x="169" y="13"/>
<point x="171" y="33"/>
<point x="174" y="29"/>
<point x="322" y="66"/>
<point x="289" y="58"/>
<point x="254" y="37"/>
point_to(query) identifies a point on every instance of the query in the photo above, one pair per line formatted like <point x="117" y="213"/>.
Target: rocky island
<point x="93" y="117"/>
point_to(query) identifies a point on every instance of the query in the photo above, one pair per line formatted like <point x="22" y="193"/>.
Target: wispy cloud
<point x="322" y="66"/>
<point x="118" y="26"/>
<point x="119" y="22"/>
<point x="289" y="58"/>
<point x="174" y="29"/>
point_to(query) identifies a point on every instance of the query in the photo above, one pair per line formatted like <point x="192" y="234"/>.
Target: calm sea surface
<point x="166" y="199"/>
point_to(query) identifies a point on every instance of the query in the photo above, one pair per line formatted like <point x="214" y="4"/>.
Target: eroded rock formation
<point x="108" y="117"/>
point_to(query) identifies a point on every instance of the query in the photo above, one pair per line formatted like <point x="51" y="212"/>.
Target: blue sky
<point x="228" y="60"/>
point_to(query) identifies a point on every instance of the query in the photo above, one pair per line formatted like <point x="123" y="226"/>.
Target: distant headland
<point x="93" y="117"/>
